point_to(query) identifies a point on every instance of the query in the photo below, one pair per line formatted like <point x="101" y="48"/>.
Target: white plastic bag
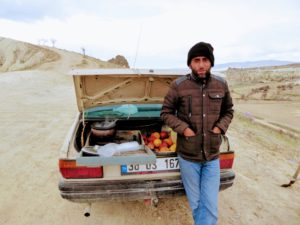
<point x="110" y="149"/>
<point x="107" y="150"/>
<point x="128" y="146"/>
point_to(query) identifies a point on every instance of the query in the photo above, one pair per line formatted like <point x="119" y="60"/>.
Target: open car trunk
<point x="130" y="97"/>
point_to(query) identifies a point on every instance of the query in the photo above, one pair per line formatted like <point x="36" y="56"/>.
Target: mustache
<point x="207" y="73"/>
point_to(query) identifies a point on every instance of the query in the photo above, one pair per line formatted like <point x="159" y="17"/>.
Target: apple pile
<point x="160" y="141"/>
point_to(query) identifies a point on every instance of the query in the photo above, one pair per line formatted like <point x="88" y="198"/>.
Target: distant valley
<point x="251" y="64"/>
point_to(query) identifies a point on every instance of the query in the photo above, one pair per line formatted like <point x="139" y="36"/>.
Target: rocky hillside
<point x="20" y="56"/>
<point x="119" y="60"/>
<point x="266" y="83"/>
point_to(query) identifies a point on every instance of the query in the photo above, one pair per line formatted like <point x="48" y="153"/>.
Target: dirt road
<point x="37" y="108"/>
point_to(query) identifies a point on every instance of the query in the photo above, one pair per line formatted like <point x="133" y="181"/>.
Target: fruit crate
<point x="161" y="142"/>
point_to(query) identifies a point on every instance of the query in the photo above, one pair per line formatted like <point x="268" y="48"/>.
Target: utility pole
<point x="83" y="51"/>
<point x="53" y="41"/>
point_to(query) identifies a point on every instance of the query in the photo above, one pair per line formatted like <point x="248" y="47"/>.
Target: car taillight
<point x="69" y="169"/>
<point x="226" y="160"/>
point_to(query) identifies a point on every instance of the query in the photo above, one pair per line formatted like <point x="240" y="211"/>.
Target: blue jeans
<point x="201" y="182"/>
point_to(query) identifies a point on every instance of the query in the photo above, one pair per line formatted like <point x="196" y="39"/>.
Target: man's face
<point x="200" y="66"/>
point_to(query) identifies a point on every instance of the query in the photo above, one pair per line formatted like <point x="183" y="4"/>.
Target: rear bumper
<point x="120" y="190"/>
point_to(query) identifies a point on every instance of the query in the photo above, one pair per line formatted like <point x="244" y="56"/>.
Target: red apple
<point x="164" y="134"/>
<point x="150" y="139"/>
<point x="150" y="145"/>
<point x="156" y="135"/>
<point x="164" y="144"/>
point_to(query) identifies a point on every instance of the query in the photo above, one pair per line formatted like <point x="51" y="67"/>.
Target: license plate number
<point x="161" y="165"/>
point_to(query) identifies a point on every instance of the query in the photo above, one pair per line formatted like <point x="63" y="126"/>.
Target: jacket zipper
<point x="190" y="105"/>
<point x="203" y="131"/>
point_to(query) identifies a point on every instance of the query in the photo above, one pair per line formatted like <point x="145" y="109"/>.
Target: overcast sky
<point x="159" y="33"/>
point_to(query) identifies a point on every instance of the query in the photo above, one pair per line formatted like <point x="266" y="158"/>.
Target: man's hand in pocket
<point x="188" y="132"/>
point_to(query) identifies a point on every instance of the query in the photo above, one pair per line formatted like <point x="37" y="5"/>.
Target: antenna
<point x="138" y="45"/>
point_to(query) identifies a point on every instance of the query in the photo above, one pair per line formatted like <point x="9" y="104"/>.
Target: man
<point x="199" y="108"/>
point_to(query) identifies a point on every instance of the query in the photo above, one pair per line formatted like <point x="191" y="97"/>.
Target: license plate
<point x="161" y="165"/>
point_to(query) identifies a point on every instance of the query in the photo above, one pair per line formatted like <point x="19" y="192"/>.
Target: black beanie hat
<point x="201" y="49"/>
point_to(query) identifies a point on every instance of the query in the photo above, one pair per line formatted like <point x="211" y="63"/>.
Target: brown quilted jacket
<point x="200" y="106"/>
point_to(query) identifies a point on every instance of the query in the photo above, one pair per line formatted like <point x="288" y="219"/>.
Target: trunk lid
<point x="100" y="87"/>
